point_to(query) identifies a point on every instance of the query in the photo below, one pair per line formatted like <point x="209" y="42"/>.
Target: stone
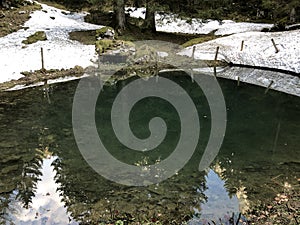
<point x="105" y="33"/>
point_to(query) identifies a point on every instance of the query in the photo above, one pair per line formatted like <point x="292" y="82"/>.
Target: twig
<point x="231" y="220"/>
<point x="220" y="221"/>
<point x="237" y="222"/>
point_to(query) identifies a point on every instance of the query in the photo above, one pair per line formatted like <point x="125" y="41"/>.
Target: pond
<point x="44" y="178"/>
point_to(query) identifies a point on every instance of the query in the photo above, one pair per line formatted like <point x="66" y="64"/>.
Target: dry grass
<point x="14" y="19"/>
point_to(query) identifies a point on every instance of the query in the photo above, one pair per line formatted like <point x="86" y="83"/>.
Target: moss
<point x="42" y="76"/>
<point x="100" y="32"/>
<point x="199" y="40"/>
<point x="86" y="37"/>
<point x="37" y="36"/>
<point x="103" y="45"/>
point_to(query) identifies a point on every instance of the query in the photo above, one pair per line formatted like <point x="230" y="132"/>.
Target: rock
<point x="103" y="45"/>
<point x="52" y="17"/>
<point x="22" y="12"/>
<point x="105" y="33"/>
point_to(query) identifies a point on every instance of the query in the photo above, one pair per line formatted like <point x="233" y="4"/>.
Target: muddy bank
<point x="37" y="76"/>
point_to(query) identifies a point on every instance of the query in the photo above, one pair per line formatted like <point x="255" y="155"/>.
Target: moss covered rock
<point x="103" y="45"/>
<point x="37" y="36"/>
<point x="105" y="33"/>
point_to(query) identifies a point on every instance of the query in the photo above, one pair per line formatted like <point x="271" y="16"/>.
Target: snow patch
<point x="173" y="23"/>
<point x="258" y="49"/>
<point x="59" y="51"/>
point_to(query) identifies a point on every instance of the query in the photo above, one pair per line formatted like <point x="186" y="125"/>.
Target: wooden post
<point x="242" y="45"/>
<point x="215" y="72"/>
<point x="238" y="81"/>
<point x="98" y="74"/>
<point x="269" y="87"/>
<point x="217" y="52"/>
<point x="42" y="57"/>
<point x="192" y="75"/>
<point x="276" y="49"/>
<point x="276" y="137"/>
<point x="193" y="53"/>
<point x="156" y="63"/>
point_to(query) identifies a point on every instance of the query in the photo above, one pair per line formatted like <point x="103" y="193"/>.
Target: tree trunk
<point x="136" y="3"/>
<point x="150" y="16"/>
<point x="120" y="22"/>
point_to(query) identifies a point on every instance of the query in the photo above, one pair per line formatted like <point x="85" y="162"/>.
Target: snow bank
<point x="173" y="23"/>
<point x="280" y="81"/>
<point x="59" y="51"/>
<point x="258" y="49"/>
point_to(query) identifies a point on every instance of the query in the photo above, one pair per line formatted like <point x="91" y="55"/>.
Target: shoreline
<point x="61" y="53"/>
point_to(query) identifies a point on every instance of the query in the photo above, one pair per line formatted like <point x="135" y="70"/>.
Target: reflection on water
<point x="44" y="179"/>
<point x="218" y="199"/>
<point x="46" y="206"/>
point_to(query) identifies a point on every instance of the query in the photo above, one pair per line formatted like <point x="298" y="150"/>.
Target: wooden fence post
<point x="193" y="53"/>
<point x="217" y="52"/>
<point x="242" y="45"/>
<point x="215" y="72"/>
<point x="266" y="91"/>
<point x="42" y="58"/>
<point x="276" y="49"/>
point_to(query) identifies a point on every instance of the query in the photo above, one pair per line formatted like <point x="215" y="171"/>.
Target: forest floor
<point x="12" y="20"/>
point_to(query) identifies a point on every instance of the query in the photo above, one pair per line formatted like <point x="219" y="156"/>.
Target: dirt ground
<point x="13" y="19"/>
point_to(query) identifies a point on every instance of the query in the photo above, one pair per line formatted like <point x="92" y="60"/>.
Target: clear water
<point x="45" y="180"/>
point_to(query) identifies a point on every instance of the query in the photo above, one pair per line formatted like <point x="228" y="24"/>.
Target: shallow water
<point x="45" y="180"/>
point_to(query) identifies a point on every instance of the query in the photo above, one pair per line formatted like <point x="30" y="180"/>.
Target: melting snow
<point x="59" y="51"/>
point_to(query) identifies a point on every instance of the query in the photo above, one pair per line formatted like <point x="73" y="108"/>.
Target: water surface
<point x="45" y="180"/>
